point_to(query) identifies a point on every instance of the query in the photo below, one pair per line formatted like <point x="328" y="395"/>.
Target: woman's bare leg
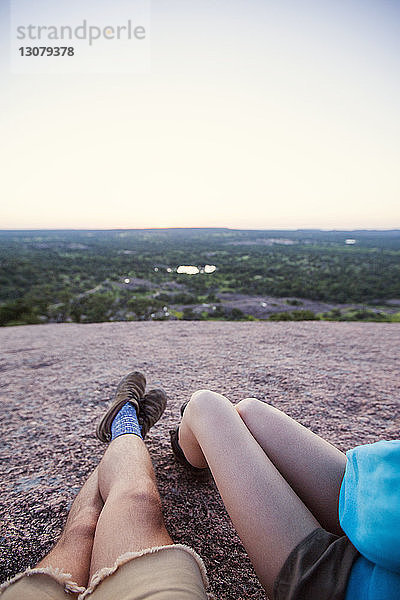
<point x="267" y="514"/>
<point x="312" y="467"/>
<point x="131" y="519"/>
<point x="72" y="553"/>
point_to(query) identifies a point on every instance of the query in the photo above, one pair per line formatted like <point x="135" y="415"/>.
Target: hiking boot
<point x="130" y="389"/>
<point x="178" y="452"/>
<point x="183" y="406"/>
<point x="151" y="407"/>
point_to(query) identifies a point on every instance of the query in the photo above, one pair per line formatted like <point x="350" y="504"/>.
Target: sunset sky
<point x="253" y="114"/>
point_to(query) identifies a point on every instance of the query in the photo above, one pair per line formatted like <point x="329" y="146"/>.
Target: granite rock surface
<point x="340" y="379"/>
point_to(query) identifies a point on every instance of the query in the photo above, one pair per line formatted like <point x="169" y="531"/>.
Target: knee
<point x="144" y="504"/>
<point x="202" y="397"/>
<point x="206" y="403"/>
<point x="80" y="529"/>
<point x="142" y="496"/>
<point x="248" y="407"/>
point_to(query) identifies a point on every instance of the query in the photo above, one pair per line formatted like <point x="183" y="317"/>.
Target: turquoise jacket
<point x="369" y="513"/>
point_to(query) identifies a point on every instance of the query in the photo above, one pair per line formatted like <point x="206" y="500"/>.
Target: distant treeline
<point x="79" y="275"/>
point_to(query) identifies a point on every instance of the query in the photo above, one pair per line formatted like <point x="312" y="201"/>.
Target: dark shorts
<point x="317" y="569"/>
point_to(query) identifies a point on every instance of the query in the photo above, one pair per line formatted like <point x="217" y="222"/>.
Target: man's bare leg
<point x="131" y="519"/>
<point x="311" y="465"/>
<point x="269" y="517"/>
<point x="72" y="553"/>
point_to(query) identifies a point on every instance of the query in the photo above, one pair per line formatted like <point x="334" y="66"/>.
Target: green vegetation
<point x="94" y="276"/>
<point x="296" y="315"/>
<point x="363" y="314"/>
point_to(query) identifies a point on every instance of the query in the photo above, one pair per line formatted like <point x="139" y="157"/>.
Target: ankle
<point x="125" y="422"/>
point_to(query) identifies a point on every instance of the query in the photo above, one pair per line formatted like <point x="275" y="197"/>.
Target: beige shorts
<point x="163" y="573"/>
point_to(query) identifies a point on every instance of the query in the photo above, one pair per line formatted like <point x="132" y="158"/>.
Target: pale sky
<point x="254" y="114"/>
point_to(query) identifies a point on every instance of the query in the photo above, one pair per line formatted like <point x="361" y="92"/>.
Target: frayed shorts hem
<point x="175" y="570"/>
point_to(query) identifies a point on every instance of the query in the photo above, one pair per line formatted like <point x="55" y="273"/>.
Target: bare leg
<point x="72" y="554"/>
<point x="312" y="467"/>
<point x="131" y="519"/>
<point x="267" y="514"/>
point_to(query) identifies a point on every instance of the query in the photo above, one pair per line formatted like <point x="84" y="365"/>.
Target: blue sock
<point x="125" y="421"/>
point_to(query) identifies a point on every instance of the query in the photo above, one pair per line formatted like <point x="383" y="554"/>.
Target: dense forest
<point x="92" y="276"/>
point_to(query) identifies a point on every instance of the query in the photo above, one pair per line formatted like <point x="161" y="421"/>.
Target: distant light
<point x="210" y="268"/>
<point x="188" y="270"/>
<point x="350" y="242"/>
<point x="165" y="308"/>
<point x="127" y="280"/>
<point x="167" y="314"/>
<point x="156" y="269"/>
<point x="263" y="304"/>
<point x="169" y="270"/>
<point x="153" y="315"/>
<point x="191" y="270"/>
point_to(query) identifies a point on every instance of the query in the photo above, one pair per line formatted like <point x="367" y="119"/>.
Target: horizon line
<point x="327" y="229"/>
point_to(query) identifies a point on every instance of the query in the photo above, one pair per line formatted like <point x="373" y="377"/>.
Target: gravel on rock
<point x="339" y="379"/>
